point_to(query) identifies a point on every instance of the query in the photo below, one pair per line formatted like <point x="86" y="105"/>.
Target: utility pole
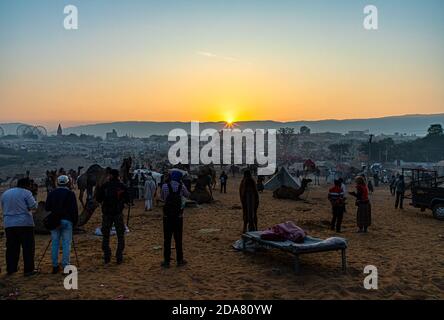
<point x="370" y="140"/>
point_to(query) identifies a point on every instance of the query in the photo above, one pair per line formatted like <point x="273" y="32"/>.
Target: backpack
<point x="53" y="220"/>
<point x="173" y="202"/>
<point x="114" y="198"/>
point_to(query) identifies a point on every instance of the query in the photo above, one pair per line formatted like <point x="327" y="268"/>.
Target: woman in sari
<point x="364" y="211"/>
<point x="249" y="197"/>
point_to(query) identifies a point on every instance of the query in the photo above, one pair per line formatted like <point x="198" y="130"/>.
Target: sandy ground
<point x="406" y="246"/>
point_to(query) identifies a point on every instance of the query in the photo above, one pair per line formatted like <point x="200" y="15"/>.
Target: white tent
<point x="157" y="176"/>
<point x="281" y="179"/>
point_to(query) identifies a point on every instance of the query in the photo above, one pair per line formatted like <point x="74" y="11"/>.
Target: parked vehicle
<point x="427" y="190"/>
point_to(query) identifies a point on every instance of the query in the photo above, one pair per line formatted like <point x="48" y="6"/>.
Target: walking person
<point x="393" y="185"/>
<point x="113" y="196"/>
<point x="150" y="189"/>
<point x="337" y="200"/>
<point x="18" y="221"/>
<point x="344" y="191"/>
<point x="172" y="193"/>
<point x="223" y="182"/>
<point x="400" y="192"/>
<point x="62" y="202"/>
<point x="370" y="186"/>
<point x="141" y="186"/>
<point x="260" y="184"/>
<point x="317" y="175"/>
<point x="364" y="212"/>
<point x="249" y="197"/>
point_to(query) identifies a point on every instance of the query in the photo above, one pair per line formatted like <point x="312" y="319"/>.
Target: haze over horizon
<point x="218" y="61"/>
<point x="52" y="126"/>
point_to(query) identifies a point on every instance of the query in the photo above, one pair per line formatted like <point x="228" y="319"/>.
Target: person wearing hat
<point x="172" y="193"/>
<point x="62" y="202"/>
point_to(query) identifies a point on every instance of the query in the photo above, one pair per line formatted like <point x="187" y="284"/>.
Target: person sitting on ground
<point x="113" y="196"/>
<point x="172" y="192"/>
<point x="337" y="200"/>
<point x="62" y="202"/>
<point x="18" y="221"/>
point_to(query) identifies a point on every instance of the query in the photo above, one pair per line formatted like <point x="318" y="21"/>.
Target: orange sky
<point x="210" y="62"/>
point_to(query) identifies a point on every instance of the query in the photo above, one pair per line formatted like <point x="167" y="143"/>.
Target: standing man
<point x="172" y="193"/>
<point x="337" y="200"/>
<point x="62" y="202"/>
<point x="392" y="185"/>
<point x="317" y="175"/>
<point x="223" y="182"/>
<point x="19" y="227"/>
<point x="400" y="191"/>
<point x="376" y="179"/>
<point x="150" y="189"/>
<point x="113" y="196"/>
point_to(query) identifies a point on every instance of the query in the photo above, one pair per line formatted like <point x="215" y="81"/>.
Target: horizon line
<point x="105" y="122"/>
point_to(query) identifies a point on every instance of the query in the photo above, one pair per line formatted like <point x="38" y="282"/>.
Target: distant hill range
<point x="407" y="124"/>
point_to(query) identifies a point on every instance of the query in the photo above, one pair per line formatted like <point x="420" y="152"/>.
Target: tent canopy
<point x="282" y="179"/>
<point x="156" y="175"/>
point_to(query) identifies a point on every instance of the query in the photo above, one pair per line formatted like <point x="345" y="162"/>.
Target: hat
<point x="63" y="180"/>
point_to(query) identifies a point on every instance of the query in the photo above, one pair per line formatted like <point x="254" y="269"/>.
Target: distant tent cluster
<point x="27" y="131"/>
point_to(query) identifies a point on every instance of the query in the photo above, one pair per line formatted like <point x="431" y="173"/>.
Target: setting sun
<point x="229" y="123"/>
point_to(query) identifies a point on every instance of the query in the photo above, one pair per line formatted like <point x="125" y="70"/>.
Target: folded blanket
<point x="283" y="232"/>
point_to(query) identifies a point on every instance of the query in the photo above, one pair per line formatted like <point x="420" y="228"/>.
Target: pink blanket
<point x="283" y="232"/>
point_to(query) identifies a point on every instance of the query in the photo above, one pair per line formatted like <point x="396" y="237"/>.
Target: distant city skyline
<point x="217" y="60"/>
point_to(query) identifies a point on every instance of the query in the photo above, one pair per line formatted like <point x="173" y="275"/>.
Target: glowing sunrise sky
<point x="216" y="60"/>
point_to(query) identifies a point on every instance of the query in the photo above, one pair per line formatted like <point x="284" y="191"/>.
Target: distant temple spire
<point x="59" y="130"/>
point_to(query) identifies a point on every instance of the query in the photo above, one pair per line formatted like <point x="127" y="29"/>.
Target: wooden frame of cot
<point x="270" y="244"/>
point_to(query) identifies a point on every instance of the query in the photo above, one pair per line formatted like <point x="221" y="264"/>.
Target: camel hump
<point x="94" y="169"/>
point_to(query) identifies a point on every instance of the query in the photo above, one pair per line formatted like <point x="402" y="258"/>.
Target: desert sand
<point x="406" y="246"/>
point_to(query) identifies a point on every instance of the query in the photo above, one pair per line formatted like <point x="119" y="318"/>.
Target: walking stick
<point x="43" y="255"/>
<point x="128" y="218"/>
<point x="75" y="251"/>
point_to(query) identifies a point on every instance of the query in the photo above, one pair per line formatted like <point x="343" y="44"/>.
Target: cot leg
<point x="344" y="261"/>
<point x="296" y="264"/>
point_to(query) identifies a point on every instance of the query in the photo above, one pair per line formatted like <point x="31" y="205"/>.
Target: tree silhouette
<point x="435" y="130"/>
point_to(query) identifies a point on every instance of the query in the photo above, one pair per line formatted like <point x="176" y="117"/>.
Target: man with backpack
<point x="113" y="196"/>
<point x="62" y="203"/>
<point x="172" y="193"/>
